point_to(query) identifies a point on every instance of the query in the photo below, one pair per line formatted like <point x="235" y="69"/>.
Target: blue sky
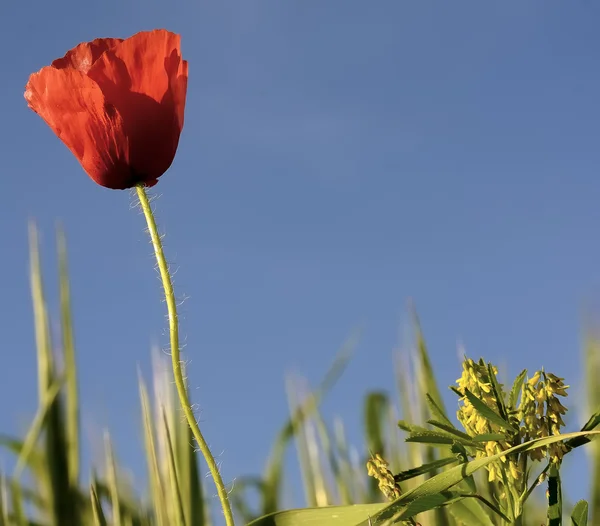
<point x="337" y="159"/>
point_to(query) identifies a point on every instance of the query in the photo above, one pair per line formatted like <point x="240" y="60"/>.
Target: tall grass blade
<point x="97" y="513"/>
<point x="63" y="498"/>
<point x="112" y="481"/>
<point x="178" y="514"/>
<point x="70" y="372"/>
<point x="157" y="492"/>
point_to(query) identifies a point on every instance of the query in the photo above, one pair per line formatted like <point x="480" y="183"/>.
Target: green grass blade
<point x="63" y="498"/>
<point x="97" y="513"/>
<point x="70" y="372"/>
<point x="36" y="428"/>
<point x="157" y="491"/>
<point x="309" y="478"/>
<point x="177" y="504"/>
<point x="426" y="375"/>
<point x="112" y="481"/>
<point x="329" y="516"/>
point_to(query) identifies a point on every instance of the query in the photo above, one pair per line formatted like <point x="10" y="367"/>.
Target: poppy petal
<point x="74" y="107"/>
<point x="85" y="54"/>
<point x="145" y="78"/>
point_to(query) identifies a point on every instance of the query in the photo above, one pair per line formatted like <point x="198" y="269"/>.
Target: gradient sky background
<point x="337" y="159"/>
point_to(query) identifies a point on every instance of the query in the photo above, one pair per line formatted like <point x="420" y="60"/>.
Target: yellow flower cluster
<point x="475" y="378"/>
<point x="541" y="413"/>
<point x="377" y="467"/>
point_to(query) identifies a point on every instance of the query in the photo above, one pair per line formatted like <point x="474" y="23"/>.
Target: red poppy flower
<point x="117" y="105"/>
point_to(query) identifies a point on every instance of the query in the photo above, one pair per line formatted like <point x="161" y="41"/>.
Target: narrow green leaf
<point x="425" y="468"/>
<point x="173" y="476"/>
<point x="329" y="516"/>
<point x="98" y="514"/>
<point x="68" y="346"/>
<point x="112" y="481"/>
<point x="517" y="385"/>
<point x="450" y="430"/>
<point x="156" y="487"/>
<point x="497" y="392"/>
<point x="36" y="428"/>
<point x="437" y="413"/>
<point x="487" y="412"/>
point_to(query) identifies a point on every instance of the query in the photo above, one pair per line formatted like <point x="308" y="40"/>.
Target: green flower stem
<point x="177" y="371"/>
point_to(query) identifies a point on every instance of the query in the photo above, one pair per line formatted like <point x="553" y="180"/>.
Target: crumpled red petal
<point x="145" y="78"/>
<point x="74" y="106"/>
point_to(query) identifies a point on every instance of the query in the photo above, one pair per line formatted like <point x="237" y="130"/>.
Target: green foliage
<point x="438" y="475"/>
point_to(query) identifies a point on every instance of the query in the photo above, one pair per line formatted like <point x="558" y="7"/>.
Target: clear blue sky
<point x="337" y="158"/>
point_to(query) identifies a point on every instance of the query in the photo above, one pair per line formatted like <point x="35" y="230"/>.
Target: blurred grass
<point x="46" y="487"/>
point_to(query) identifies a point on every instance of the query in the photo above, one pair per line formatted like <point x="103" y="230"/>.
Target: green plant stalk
<point x="175" y="358"/>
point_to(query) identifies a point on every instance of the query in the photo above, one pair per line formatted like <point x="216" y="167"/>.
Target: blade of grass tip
<point x="63" y="498"/>
<point x="426" y="377"/>
<point x="322" y="492"/>
<point x="592" y="368"/>
<point x="97" y="513"/>
<point x="331" y="462"/>
<point x="308" y="481"/>
<point x="156" y="487"/>
<point x="346" y="484"/>
<point x="274" y="469"/>
<point x="178" y="514"/>
<point x="410" y="454"/>
<point x="72" y="396"/>
<point x="40" y="314"/>
<point x="427" y="386"/>
<point x="112" y="482"/>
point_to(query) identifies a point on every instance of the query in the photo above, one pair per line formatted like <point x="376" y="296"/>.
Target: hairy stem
<point x="175" y="358"/>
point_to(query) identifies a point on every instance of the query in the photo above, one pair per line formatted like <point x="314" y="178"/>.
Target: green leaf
<point x="487" y="412"/>
<point x="98" y="514"/>
<point x="68" y="347"/>
<point x="468" y="512"/>
<point x="425" y="468"/>
<point x="327" y="516"/>
<point x="497" y="392"/>
<point x="428" y="436"/>
<point x="513" y="397"/>
<point x="437" y="412"/>
<point x="579" y="516"/>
